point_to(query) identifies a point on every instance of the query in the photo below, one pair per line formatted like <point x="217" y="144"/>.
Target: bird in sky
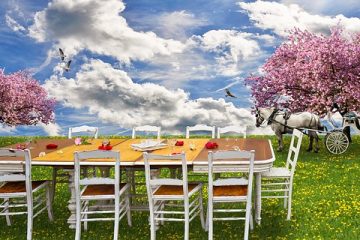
<point x="62" y="54"/>
<point x="67" y="66"/>
<point x="229" y="94"/>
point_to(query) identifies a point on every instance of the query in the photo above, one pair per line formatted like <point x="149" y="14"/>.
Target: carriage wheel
<point x="336" y="142"/>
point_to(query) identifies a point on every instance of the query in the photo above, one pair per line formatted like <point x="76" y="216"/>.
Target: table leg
<point x="258" y="198"/>
<point x="72" y="202"/>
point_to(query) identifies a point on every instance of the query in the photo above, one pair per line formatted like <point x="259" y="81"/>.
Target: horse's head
<point x="262" y="115"/>
<point x="259" y="118"/>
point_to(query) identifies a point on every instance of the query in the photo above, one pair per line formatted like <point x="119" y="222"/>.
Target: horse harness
<point x="286" y="117"/>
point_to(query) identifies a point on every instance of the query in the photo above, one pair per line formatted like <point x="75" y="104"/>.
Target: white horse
<point x="283" y="122"/>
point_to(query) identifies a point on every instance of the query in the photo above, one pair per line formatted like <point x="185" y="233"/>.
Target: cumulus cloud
<point x="326" y="6"/>
<point x="13" y="24"/>
<point x="215" y="53"/>
<point x="6" y="129"/>
<point x="97" y="26"/>
<point x="176" y="24"/>
<point x="51" y="129"/>
<point x="281" y="18"/>
<point x="112" y="95"/>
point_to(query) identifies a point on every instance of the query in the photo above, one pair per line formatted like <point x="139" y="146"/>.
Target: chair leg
<point x="251" y="222"/>
<point x="78" y="221"/>
<point x="210" y="220"/>
<point x="8" y="220"/>
<point x="53" y="183"/>
<point x="86" y="216"/>
<point x="117" y="215"/>
<point x="162" y="215"/>
<point x="202" y="210"/>
<point x="247" y="220"/>
<point x="289" y="202"/>
<point x="286" y="194"/>
<point x="128" y="208"/>
<point x="152" y="222"/>
<point x="187" y="223"/>
<point x="49" y="203"/>
<point x="29" y="218"/>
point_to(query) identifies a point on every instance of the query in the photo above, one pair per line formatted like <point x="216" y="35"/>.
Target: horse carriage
<point x="337" y="135"/>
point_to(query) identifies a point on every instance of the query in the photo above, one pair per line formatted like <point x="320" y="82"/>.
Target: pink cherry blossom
<point x="23" y="101"/>
<point x="313" y="71"/>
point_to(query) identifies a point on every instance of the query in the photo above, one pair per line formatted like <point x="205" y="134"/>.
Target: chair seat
<point x="19" y="187"/>
<point x="277" y="172"/>
<point x="173" y="190"/>
<point x="101" y="189"/>
<point x="230" y="191"/>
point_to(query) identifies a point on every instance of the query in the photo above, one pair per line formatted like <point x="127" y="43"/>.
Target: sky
<point x="144" y="62"/>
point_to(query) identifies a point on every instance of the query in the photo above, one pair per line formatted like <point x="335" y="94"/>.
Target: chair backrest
<point x="241" y="157"/>
<point x="96" y="155"/>
<point x="200" y="127"/>
<point x="234" y="129"/>
<point x="17" y="173"/>
<point x="147" y="128"/>
<point x="84" y="128"/>
<point x="152" y="183"/>
<point x="294" y="150"/>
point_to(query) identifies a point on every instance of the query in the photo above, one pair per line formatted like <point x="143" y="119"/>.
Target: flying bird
<point x="62" y="55"/>
<point x="67" y="66"/>
<point x="229" y="94"/>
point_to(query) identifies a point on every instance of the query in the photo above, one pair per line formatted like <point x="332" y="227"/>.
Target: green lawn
<point x="326" y="205"/>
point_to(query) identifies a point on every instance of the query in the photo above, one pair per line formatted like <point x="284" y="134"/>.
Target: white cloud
<point x="281" y="18"/>
<point x="97" y="26"/>
<point x="13" y="24"/>
<point x="215" y="53"/>
<point x="6" y="129"/>
<point x="326" y="6"/>
<point x="176" y="24"/>
<point x="115" y="98"/>
<point x="51" y="129"/>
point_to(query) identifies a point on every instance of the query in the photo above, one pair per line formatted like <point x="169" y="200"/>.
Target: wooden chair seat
<point x="101" y="189"/>
<point x="173" y="190"/>
<point x="19" y="187"/>
<point x="233" y="191"/>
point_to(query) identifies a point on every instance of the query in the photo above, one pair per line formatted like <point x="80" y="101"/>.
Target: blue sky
<point x="152" y="62"/>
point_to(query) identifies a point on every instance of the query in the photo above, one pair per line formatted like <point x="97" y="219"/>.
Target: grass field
<point x="326" y="205"/>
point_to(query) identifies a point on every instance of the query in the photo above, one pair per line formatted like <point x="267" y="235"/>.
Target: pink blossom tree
<point x="23" y="101"/>
<point x="313" y="71"/>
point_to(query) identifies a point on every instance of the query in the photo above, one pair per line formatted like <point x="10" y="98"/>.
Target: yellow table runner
<point x="67" y="154"/>
<point x="127" y="154"/>
<point x="190" y="154"/>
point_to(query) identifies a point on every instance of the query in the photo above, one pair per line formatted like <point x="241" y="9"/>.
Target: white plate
<point x="160" y="146"/>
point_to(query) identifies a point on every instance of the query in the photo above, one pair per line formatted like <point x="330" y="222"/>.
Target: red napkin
<point x="107" y="147"/>
<point x="211" y="145"/>
<point x="51" y="146"/>
<point x="179" y="143"/>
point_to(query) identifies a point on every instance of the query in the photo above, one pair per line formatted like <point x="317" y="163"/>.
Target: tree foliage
<point x="313" y="71"/>
<point x="23" y="101"/>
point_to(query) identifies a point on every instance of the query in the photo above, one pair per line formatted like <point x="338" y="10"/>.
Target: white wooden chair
<point x="232" y="129"/>
<point x="200" y="127"/>
<point x="147" y="128"/>
<point x="137" y="197"/>
<point x="230" y="190"/>
<point x="19" y="191"/>
<point x="278" y="182"/>
<point x="163" y="190"/>
<point x="83" y="129"/>
<point x="95" y="189"/>
<point x="63" y="176"/>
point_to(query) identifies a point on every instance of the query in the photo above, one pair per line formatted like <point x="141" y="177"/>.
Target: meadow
<point x="326" y="205"/>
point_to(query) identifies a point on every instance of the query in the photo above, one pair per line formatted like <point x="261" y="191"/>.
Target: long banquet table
<point x="196" y="158"/>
